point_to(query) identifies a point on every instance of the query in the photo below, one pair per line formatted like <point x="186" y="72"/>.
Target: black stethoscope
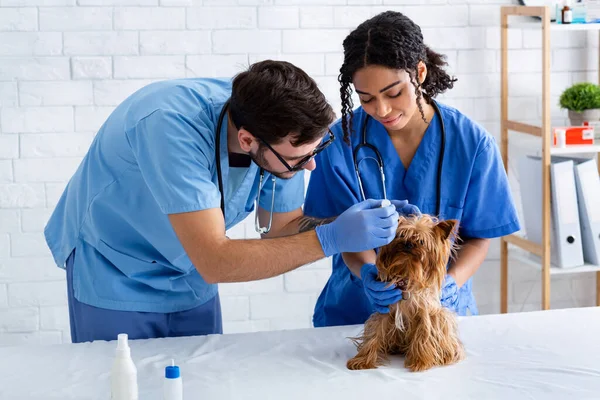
<point x="380" y="164"/>
<point x="257" y="227"/>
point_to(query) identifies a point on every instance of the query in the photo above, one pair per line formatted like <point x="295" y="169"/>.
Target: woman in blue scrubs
<point x="397" y="77"/>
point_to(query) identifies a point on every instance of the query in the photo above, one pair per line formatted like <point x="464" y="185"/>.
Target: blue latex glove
<point x="364" y="226"/>
<point x="404" y="208"/>
<point x="380" y="296"/>
<point x="449" y="296"/>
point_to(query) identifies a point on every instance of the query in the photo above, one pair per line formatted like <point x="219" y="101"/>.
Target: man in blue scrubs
<point x="140" y="227"/>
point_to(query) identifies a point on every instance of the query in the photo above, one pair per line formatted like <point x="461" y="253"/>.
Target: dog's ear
<point x="446" y="228"/>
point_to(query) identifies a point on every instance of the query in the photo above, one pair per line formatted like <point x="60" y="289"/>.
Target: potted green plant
<point x="583" y="102"/>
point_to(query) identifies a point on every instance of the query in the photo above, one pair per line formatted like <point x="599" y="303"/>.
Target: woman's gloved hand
<point x="449" y="296"/>
<point x="404" y="208"/>
<point x="379" y="294"/>
<point x="364" y="226"/>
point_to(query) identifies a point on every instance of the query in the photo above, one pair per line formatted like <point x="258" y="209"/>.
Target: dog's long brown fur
<point x="418" y="327"/>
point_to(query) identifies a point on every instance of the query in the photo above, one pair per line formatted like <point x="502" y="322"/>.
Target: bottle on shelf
<point x="567" y="13"/>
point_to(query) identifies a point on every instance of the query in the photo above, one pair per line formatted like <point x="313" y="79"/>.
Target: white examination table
<point x="537" y="355"/>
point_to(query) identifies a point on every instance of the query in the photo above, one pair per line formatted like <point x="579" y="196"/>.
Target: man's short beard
<point x="259" y="159"/>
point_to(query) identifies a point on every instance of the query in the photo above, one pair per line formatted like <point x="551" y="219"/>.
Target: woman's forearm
<point x="469" y="257"/>
<point x="355" y="261"/>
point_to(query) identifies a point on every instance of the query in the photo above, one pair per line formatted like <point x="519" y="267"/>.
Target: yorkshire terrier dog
<point x="417" y="327"/>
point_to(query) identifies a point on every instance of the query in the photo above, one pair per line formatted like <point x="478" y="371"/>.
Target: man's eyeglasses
<point x="297" y="167"/>
<point x="304" y="160"/>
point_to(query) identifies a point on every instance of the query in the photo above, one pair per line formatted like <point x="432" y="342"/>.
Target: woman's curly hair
<point x="392" y="40"/>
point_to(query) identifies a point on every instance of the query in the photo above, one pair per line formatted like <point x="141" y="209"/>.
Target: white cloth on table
<point x="537" y="355"/>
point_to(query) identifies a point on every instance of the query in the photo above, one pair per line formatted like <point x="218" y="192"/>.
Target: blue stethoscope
<point x="379" y="160"/>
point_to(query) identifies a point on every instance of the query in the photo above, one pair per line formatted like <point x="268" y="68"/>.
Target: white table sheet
<point x="538" y="355"/>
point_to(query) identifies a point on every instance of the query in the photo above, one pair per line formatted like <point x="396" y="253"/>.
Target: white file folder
<point x="588" y="188"/>
<point x="565" y="231"/>
<point x="565" y="210"/>
<point x="588" y="196"/>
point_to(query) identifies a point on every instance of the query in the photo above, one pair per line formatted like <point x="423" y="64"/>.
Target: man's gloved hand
<point x="377" y="292"/>
<point x="449" y="296"/>
<point x="364" y="226"/>
<point x="406" y="209"/>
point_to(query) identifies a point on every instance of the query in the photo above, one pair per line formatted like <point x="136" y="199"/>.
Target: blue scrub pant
<point x="90" y="323"/>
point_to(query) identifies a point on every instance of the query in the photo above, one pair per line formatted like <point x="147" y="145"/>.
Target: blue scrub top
<point x="154" y="156"/>
<point x="475" y="191"/>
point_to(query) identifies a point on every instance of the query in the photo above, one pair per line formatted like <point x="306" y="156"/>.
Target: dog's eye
<point x="408" y="246"/>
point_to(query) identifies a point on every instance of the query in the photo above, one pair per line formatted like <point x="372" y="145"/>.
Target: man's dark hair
<point x="274" y="99"/>
<point x="392" y="40"/>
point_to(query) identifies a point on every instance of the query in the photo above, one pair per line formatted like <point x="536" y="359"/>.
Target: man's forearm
<point x="253" y="259"/>
<point x="220" y="259"/>
<point x="469" y="257"/>
<point x="302" y="224"/>
<point x="306" y="223"/>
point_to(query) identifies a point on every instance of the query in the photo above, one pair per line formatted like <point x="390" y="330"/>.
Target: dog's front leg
<point x="434" y="342"/>
<point x="373" y="344"/>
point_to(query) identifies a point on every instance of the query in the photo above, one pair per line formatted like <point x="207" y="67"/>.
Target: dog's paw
<point x="358" y="363"/>
<point x="418" y="365"/>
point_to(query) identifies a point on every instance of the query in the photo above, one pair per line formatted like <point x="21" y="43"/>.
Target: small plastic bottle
<point x="385" y="203"/>
<point x="561" y="138"/>
<point x="173" y="385"/>
<point x="123" y="376"/>
<point x="567" y="13"/>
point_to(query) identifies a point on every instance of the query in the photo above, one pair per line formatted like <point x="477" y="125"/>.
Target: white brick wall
<point x="65" y="65"/>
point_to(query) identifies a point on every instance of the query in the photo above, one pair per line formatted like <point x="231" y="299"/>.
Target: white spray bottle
<point x="123" y="377"/>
